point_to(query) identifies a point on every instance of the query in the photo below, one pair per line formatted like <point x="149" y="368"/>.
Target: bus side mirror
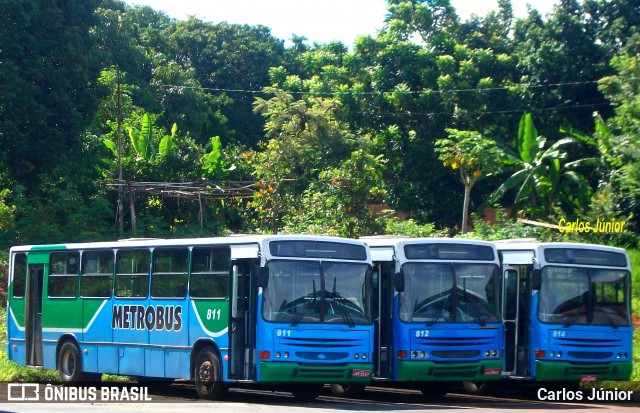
<point x="536" y="279"/>
<point x="398" y="281"/>
<point x="263" y="277"/>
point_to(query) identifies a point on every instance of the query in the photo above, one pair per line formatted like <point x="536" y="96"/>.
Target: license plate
<point x="491" y="372"/>
<point x="589" y="377"/>
<point x="360" y="373"/>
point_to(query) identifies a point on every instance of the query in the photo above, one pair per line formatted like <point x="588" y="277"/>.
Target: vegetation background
<point x="377" y="137"/>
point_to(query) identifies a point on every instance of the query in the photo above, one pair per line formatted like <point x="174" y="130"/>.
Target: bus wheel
<point x="347" y="390"/>
<point x="306" y="393"/>
<point x="70" y="365"/>
<point x="480" y="388"/>
<point x="434" y="389"/>
<point x="207" y="375"/>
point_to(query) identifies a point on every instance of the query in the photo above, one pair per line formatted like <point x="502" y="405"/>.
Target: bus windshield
<point x="317" y="292"/>
<point x="584" y="296"/>
<point x="448" y="292"/>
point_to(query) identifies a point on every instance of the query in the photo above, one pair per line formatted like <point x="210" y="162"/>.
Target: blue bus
<point x="435" y="312"/>
<point x="566" y="311"/>
<point x="291" y="311"/>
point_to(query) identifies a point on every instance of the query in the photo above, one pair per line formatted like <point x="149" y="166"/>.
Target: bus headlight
<point x="278" y="355"/>
<point x="286" y="354"/>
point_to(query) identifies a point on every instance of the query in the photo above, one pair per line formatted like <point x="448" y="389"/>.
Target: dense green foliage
<point x="330" y="134"/>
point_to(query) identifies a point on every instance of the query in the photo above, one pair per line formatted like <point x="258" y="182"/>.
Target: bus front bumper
<point x="283" y="372"/>
<point x="483" y="370"/>
<point x="565" y="371"/>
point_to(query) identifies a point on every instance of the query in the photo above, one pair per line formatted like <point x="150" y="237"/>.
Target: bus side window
<point x="64" y="270"/>
<point x="132" y="273"/>
<point x="19" y="275"/>
<point x="209" y="275"/>
<point x="169" y="274"/>
<point x="96" y="279"/>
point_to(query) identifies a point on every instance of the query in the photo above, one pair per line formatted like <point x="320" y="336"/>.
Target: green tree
<point x="473" y="156"/>
<point x="337" y="203"/>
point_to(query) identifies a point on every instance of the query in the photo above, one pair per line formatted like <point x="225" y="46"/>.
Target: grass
<point x="12" y="372"/>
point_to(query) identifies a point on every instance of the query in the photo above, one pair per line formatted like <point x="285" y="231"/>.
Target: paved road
<point x="181" y="398"/>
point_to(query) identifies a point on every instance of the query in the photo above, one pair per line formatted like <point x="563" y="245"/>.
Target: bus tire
<point x="207" y="375"/>
<point x="70" y="365"/>
<point x="347" y="390"/>
<point x="480" y="388"/>
<point x="306" y="393"/>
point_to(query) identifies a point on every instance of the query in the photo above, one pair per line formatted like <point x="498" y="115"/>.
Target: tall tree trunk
<point x="465" y="207"/>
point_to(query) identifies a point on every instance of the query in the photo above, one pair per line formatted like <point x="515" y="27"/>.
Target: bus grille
<point x="322" y="356"/>
<point x="322" y="342"/>
<point x="305" y="372"/>
<point x="588" y="342"/>
<point x="444" y="372"/>
<point x="590" y="354"/>
<point x="456" y="354"/>
<point x="587" y="369"/>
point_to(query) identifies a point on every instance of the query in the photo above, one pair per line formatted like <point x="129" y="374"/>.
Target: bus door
<point x="383" y="306"/>
<point x="242" y="332"/>
<point x="33" y="316"/>
<point x="510" y="313"/>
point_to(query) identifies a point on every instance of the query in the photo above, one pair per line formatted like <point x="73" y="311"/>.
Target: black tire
<point x="480" y="388"/>
<point x="347" y="390"/>
<point x="306" y="393"/>
<point x="70" y="365"/>
<point x="434" y="389"/>
<point x="207" y="375"/>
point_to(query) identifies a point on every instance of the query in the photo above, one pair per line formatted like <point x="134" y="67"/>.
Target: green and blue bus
<point x="566" y="309"/>
<point x="291" y="311"/>
<point x="435" y="312"/>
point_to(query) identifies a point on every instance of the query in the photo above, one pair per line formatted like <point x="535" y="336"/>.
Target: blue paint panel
<point x="49" y="355"/>
<point x="154" y="362"/>
<point x="176" y="363"/>
<point x="19" y="354"/>
<point x="108" y="359"/>
<point x="89" y="358"/>
<point x="131" y="361"/>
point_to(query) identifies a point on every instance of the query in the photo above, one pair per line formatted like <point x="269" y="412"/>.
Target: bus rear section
<point x="567" y="312"/>
<point x="436" y="313"/>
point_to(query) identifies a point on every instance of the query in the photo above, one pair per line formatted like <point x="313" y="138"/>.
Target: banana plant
<point x="543" y="175"/>
<point x="141" y="139"/>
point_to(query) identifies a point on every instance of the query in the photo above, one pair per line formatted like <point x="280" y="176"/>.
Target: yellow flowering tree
<point x="473" y="157"/>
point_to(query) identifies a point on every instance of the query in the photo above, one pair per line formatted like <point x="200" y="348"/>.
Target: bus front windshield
<point x="584" y="296"/>
<point x="448" y="292"/>
<point x="317" y="292"/>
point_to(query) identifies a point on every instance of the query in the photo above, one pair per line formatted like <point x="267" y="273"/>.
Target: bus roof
<point x="386" y="248"/>
<point x="168" y="242"/>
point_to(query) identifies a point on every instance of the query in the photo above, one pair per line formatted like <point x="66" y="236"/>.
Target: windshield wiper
<point x="344" y="312"/>
<point x="469" y="301"/>
<point x="444" y="307"/>
<point x="306" y="307"/>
